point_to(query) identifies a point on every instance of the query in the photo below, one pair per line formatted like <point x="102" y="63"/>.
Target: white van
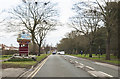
<point x="61" y="52"/>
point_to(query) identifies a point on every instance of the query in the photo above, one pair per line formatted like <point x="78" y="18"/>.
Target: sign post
<point x="23" y="40"/>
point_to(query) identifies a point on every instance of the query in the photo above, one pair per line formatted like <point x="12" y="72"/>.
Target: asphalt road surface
<point x="70" y="66"/>
<point x="57" y="66"/>
<point x="97" y="66"/>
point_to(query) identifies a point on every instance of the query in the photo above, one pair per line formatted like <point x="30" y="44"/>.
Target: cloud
<point x="53" y="37"/>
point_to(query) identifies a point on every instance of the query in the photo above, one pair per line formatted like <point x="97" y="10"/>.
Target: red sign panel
<point x="23" y="49"/>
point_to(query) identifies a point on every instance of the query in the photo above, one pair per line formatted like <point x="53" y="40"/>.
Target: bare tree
<point x="42" y="31"/>
<point x="31" y="15"/>
<point x="109" y="12"/>
<point x="87" y="24"/>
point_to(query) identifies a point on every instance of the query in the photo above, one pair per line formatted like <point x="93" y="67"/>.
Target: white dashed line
<point x="93" y="75"/>
<point x="76" y="62"/>
<point x="89" y="67"/>
<point x="99" y="74"/>
<point x="81" y="64"/>
<point x="106" y="74"/>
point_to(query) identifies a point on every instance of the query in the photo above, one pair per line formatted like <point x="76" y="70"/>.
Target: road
<point x="70" y="66"/>
<point x="97" y="66"/>
<point x="56" y="66"/>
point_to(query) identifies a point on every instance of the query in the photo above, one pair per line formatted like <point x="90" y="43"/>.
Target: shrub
<point x="19" y="60"/>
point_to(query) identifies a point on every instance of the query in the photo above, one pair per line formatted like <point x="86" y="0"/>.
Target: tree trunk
<point x="108" y="46"/>
<point x="34" y="44"/>
<point x="39" y="50"/>
<point x="90" y="49"/>
<point x="90" y="54"/>
<point x="118" y="30"/>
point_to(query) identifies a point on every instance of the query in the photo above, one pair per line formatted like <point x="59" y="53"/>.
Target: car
<point x="61" y="52"/>
<point x="54" y="53"/>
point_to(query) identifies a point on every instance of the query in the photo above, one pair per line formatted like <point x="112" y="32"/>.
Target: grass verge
<point x="100" y="58"/>
<point x="3" y="57"/>
<point x="24" y="63"/>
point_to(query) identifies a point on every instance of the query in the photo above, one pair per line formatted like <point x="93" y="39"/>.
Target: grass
<point x="3" y="57"/>
<point x="113" y="60"/>
<point x="23" y="63"/>
<point x="39" y="58"/>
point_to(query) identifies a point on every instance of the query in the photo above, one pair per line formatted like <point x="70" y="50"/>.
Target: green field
<point x="100" y="58"/>
<point x="23" y="63"/>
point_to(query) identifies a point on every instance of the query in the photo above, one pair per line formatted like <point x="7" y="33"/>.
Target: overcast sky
<point x="53" y="37"/>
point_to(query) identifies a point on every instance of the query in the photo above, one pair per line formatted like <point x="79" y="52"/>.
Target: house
<point x="4" y="47"/>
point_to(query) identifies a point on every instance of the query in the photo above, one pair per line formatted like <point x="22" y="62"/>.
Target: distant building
<point x="4" y="47"/>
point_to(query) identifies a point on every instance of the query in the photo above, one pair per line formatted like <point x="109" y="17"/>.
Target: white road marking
<point x="71" y="62"/>
<point x="65" y="58"/>
<point x="90" y="68"/>
<point x="76" y="62"/>
<point x="81" y="64"/>
<point x="37" y="69"/>
<point x="71" y="56"/>
<point x="99" y="74"/>
<point x="106" y="74"/>
<point x="93" y="75"/>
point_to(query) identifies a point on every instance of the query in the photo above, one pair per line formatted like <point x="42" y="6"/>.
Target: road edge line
<point x="39" y="66"/>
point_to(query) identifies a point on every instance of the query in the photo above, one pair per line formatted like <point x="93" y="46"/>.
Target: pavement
<point x="12" y="72"/>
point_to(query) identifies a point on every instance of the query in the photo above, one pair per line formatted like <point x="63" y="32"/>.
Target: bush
<point x="6" y="56"/>
<point x="23" y="62"/>
<point x="19" y="60"/>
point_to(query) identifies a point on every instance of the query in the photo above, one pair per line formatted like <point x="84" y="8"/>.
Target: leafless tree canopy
<point x="109" y="11"/>
<point x="89" y="18"/>
<point x="86" y="21"/>
<point x="36" y="17"/>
